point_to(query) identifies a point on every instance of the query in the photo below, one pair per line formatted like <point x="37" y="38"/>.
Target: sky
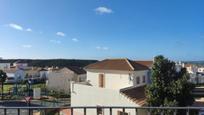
<point x="99" y="29"/>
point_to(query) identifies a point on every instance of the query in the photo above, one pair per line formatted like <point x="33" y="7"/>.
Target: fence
<point x="44" y="110"/>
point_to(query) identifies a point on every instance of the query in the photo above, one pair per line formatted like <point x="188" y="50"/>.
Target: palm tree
<point x="3" y="77"/>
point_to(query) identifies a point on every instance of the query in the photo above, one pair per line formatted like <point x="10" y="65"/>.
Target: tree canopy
<point x="52" y="62"/>
<point x="3" y="77"/>
<point x="169" y="87"/>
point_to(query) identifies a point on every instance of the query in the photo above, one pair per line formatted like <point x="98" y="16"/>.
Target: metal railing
<point x="98" y="109"/>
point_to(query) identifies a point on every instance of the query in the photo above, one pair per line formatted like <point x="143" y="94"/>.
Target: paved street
<point x="34" y="103"/>
<point x="15" y="104"/>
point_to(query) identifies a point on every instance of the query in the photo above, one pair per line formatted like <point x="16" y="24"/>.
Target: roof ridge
<point x="128" y="61"/>
<point x="116" y="59"/>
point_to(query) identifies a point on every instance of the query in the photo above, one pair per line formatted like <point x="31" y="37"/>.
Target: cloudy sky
<point x="98" y="29"/>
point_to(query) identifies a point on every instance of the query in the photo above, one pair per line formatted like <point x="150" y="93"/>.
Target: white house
<point x="59" y="80"/>
<point x="112" y="82"/>
<point x="43" y="73"/>
<point x="201" y="69"/>
<point x="191" y="68"/>
<point x="20" y="64"/>
<point x="196" y="72"/>
<point x="4" y="66"/>
<point x="14" y="74"/>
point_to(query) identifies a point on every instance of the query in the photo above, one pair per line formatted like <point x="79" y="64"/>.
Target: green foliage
<point x="53" y="62"/>
<point x="169" y="87"/>
<point x="3" y="77"/>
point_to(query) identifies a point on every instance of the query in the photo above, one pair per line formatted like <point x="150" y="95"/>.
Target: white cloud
<point x="105" y="48"/>
<point x="103" y="10"/>
<point x="102" y="48"/>
<point x="98" y="47"/>
<point x="16" y="26"/>
<point x="75" y="39"/>
<point x="26" y="46"/>
<point x="55" y="41"/>
<point x="61" y="34"/>
<point x="29" y="30"/>
<point x="19" y="27"/>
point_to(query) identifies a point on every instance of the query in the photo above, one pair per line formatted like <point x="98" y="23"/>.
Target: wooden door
<point x="101" y="80"/>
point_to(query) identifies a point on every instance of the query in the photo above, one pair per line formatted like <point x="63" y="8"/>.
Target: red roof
<point x="145" y="63"/>
<point x="136" y="94"/>
<point x="117" y="64"/>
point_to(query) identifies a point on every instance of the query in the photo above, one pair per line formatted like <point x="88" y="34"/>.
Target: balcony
<point x="98" y="110"/>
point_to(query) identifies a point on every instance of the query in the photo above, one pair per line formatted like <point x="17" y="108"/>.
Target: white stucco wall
<point x="83" y="95"/>
<point x="201" y="69"/>
<point x="116" y="79"/>
<point x="59" y="81"/>
<point x="44" y="74"/>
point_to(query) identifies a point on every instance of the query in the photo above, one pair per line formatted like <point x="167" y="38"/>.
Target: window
<point x="130" y="78"/>
<point x="138" y="80"/>
<point x="101" y="80"/>
<point x="143" y="79"/>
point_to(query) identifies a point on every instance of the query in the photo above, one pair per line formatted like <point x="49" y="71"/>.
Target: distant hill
<point x="52" y="62"/>
<point x="201" y="63"/>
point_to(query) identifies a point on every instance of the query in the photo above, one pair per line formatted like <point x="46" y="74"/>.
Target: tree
<point x="169" y="87"/>
<point x="3" y="77"/>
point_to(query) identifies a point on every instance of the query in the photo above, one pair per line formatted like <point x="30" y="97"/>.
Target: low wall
<point x="83" y="95"/>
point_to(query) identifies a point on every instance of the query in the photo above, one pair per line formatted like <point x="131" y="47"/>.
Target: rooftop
<point x="117" y="64"/>
<point x="136" y="94"/>
<point x="145" y="63"/>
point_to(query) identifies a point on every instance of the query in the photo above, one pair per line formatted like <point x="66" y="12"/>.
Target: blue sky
<point x="98" y="29"/>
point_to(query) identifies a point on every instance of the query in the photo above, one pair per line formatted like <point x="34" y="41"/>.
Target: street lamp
<point x="29" y="88"/>
<point x="17" y="80"/>
<point x="46" y="84"/>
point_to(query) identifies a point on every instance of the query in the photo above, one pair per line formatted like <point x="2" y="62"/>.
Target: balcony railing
<point x="97" y="109"/>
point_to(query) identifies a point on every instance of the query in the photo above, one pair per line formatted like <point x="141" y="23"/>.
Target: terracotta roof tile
<point x="145" y="63"/>
<point x="136" y="94"/>
<point x="117" y="64"/>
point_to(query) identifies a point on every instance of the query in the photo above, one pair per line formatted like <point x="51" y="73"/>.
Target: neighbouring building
<point x="201" y="69"/>
<point x="14" y="75"/>
<point x="196" y="72"/>
<point x="147" y="63"/>
<point x="191" y="68"/>
<point x="20" y="64"/>
<point x="43" y="73"/>
<point x="112" y="82"/>
<point x="4" y="66"/>
<point x="59" y="79"/>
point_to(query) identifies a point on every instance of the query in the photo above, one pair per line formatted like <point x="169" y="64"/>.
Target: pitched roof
<point x="136" y="94"/>
<point x="117" y="64"/>
<point x="77" y="70"/>
<point x="43" y="69"/>
<point x="145" y="63"/>
<point x="188" y="65"/>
